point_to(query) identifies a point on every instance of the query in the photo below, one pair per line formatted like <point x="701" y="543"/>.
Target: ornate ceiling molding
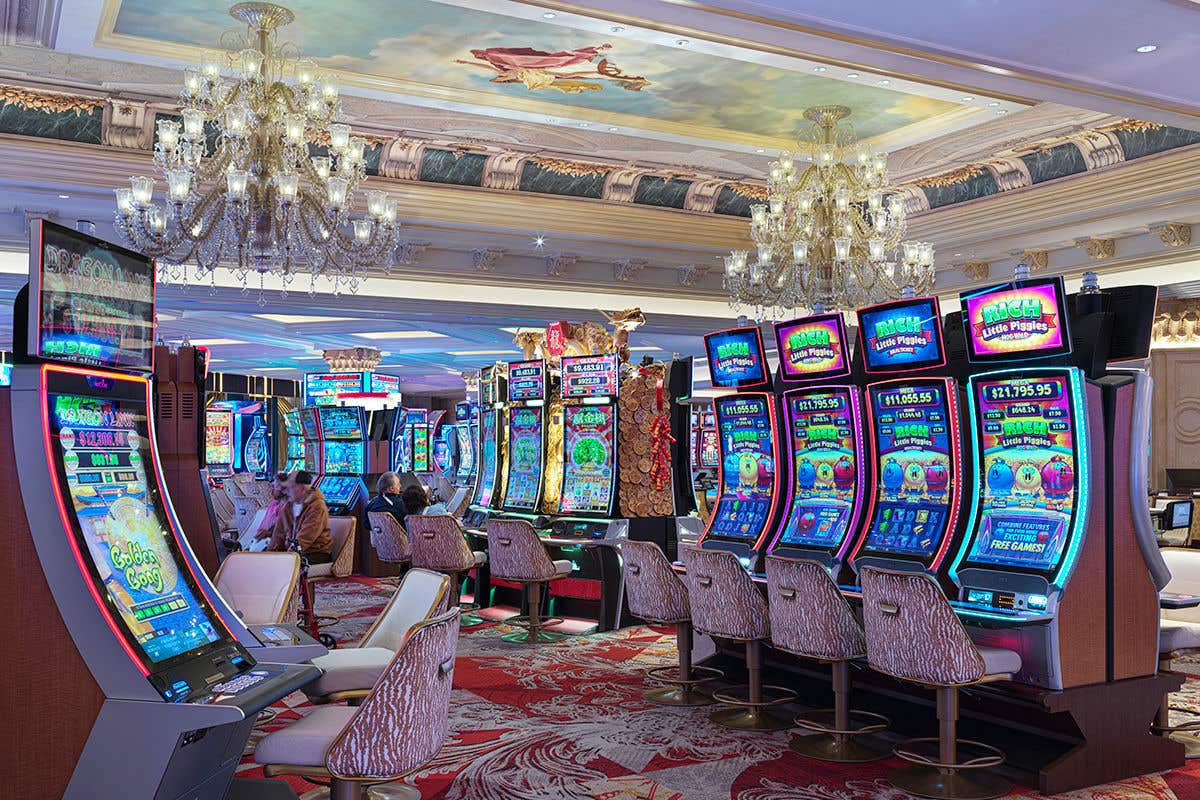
<point x="485" y="259"/>
<point x="1173" y="234"/>
<point x="558" y="264"/>
<point x="1177" y="321"/>
<point x="1098" y="248"/>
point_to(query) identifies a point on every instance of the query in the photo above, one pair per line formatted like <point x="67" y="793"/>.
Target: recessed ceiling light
<point x="549" y="15"/>
<point x="288" y="319"/>
<point x="966" y="98"/>
<point x="956" y="255"/>
<point x="215" y="342"/>
<point x="884" y="82"/>
<point x="1146" y="48"/>
<point x="481" y="352"/>
<point x="617" y="29"/>
<point x="993" y="104"/>
<point x="521" y="329"/>
<point x="64" y="196"/>
<point x="819" y="69"/>
<point x="851" y="74"/>
<point x="613" y="128"/>
<point x="400" y="335"/>
<point x="583" y="124"/>
<point x="1001" y="110"/>
<point x="760" y="150"/>
<point x="641" y="349"/>
<point x="682" y="42"/>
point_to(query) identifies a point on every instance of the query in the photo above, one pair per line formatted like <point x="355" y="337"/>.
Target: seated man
<point x="303" y="523"/>
<point x="387" y="497"/>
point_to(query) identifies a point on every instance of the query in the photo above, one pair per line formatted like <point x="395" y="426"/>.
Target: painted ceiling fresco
<point x="492" y="59"/>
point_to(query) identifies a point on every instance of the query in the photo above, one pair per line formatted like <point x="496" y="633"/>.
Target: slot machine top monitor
<point x="526" y="381"/>
<point x="1022" y="320"/>
<point x="903" y="336"/>
<point x="342" y="422"/>
<point x="590" y="376"/>
<point x="91" y="303"/>
<point x="323" y="388"/>
<point x="813" y="348"/>
<point x="736" y="359"/>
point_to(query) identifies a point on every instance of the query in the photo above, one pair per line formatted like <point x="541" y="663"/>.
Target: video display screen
<point x="526" y="458"/>
<point x="526" y="381"/>
<point x="1028" y="457"/>
<point x="402" y="455"/>
<point x="912" y="430"/>
<point x="590" y="376"/>
<point x="310" y="424"/>
<point x="339" y="490"/>
<point x="344" y="458"/>
<point x="901" y="336"/>
<point x="466" y="449"/>
<point x="385" y="383"/>
<point x="443" y="457"/>
<point x="485" y="486"/>
<point x="256" y="455"/>
<point x="824" y="442"/>
<point x="218" y="436"/>
<point x="94" y="303"/>
<point x="710" y="448"/>
<point x="6" y="374"/>
<point x="342" y="422"/>
<point x="736" y="359"/>
<point x="103" y="462"/>
<point x="323" y="388"/>
<point x="589" y="459"/>
<point x="813" y="348"/>
<point x="747" y="441"/>
<point x="1023" y="319"/>
<point x="420" y="458"/>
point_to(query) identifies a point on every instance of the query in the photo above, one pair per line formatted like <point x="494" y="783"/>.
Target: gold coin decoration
<point x="638" y="405"/>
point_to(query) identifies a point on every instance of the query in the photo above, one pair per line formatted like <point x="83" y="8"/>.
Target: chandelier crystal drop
<point x="831" y="234"/>
<point x="258" y="174"/>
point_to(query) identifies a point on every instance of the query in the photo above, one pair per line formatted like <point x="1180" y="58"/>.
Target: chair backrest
<point x="246" y="537"/>
<point x="421" y="595"/>
<point x="725" y="601"/>
<point x="809" y="615"/>
<point x="244" y="509"/>
<point x="223" y="508"/>
<point x="402" y="723"/>
<point x="1184" y="565"/>
<point x="261" y="587"/>
<point x="389" y="538"/>
<point x="516" y="553"/>
<point x="912" y="631"/>
<point x="438" y="543"/>
<point x="341" y="536"/>
<point x="655" y="593"/>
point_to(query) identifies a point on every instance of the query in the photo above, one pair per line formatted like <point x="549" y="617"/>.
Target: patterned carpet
<point x="566" y="721"/>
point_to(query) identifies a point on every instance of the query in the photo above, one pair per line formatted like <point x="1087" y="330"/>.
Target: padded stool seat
<point x="349" y="669"/>
<point x="1177" y="637"/>
<point x="306" y="741"/>
<point x="518" y="555"/>
<point x="562" y="566"/>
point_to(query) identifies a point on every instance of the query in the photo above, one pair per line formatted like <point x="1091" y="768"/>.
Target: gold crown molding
<point x="976" y="270"/>
<point x="1173" y="234"/>
<point x="1098" y="248"/>
<point x="1035" y="259"/>
<point x="48" y="101"/>
<point x="1177" y="321"/>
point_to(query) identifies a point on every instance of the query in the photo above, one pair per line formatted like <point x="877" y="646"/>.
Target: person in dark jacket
<point x="387" y="497"/>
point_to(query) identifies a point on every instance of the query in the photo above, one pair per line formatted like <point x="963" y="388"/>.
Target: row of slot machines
<point x="994" y="450"/>
<point x="244" y="436"/>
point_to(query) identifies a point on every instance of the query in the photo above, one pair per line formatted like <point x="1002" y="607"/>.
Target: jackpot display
<point x="823" y="426"/>
<point x="218" y="437"/>
<point x="91" y="302"/>
<point x="744" y="423"/>
<point x="526" y="381"/>
<point x="322" y="389"/>
<point x="812" y="348"/>
<point x="1029" y="462"/>
<point x="526" y="458"/>
<point x="590" y="376"/>
<point x="589" y="459"/>
<point x="736" y="359"/>
<point x="915" y="467"/>
<point x="902" y="336"/>
<point x="1024" y="319"/>
<point x="102" y="458"/>
<point x="485" y="486"/>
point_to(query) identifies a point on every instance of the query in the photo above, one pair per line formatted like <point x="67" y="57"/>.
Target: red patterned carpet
<point x="566" y="721"/>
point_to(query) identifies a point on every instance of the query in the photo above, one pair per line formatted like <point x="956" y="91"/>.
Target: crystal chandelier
<point x="830" y="236"/>
<point x="251" y="182"/>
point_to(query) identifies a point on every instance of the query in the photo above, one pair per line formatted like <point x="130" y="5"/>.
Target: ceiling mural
<point x="500" y="60"/>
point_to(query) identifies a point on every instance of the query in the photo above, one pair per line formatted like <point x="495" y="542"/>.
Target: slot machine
<point x="466" y="433"/>
<point x="218" y="442"/>
<point x="705" y="458"/>
<point x="293" y="445"/>
<point x="343" y="459"/>
<point x="823" y="435"/>
<point x="526" y="438"/>
<point x="403" y="438"/>
<point x="486" y="495"/>
<point x="913" y="423"/>
<point x="115" y="603"/>
<point x="748" y="480"/>
<point x="310" y="425"/>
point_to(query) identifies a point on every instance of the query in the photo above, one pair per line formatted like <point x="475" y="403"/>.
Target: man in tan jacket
<point x="303" y="523"/>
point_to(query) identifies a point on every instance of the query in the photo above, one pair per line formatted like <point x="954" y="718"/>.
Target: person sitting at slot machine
<point x="415" y="500"/>
<point x="387" y="497"/>
<point x="279" y="498"/>
<point x="303" y="523"/>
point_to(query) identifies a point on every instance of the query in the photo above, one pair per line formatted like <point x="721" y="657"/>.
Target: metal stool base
<point x="749" y="719"/>
<point x="932" y="782"/>
<point x="850" y="746"/>
<point x="380" y="791"/>
<point x="533" y="637"/>
<point x="677" y="696"/>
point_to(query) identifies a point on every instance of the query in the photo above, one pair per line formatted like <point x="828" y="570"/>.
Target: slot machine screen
<point x="710" y="448"/>
<point x="339" y="490"/>
<point x="823" y="425"/>
<point x="341" y="422"/>
<point x="736" y="359"/>
<point x="420" y="459"/>
<point x="902" y="336"/>
<point x="526" y="458"/>
<point x="343" y="458"/>
<point x="309" y="423"/>
<point x="526" y="381"/>
<point x="442" y="457"/>
<point x="1030" y="466"/>
<point x="1022" y="319"/>
<point x="744" y="424"/>
<point x="912" y="424"/>
<point x="104" y="470"/>
<point x="589" y="459"/>
<point x="218" y="436"/>
<point x="466" y="449"/>
<point x="590" y="376"/>
<point x="256" y="454"/>
<point x="486" y="484"/>
<point x="813" y="348"/>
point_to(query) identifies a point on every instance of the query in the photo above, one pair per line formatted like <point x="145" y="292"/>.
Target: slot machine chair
<point x="659" y="596"/>
<point x="518" y="556"/>
<point x="726" y="604"/>
<point x="1178" y="636"/>
<point x="341" y="564"/>
<point x="390" y="540"/>
<point x="351" y="672"/>
<point x="811" y="618"/>
<point x="914" y="635"/>
<point x="439" y="544"/>
<point x="261" y="587"/>
<point x="399" y="728"/>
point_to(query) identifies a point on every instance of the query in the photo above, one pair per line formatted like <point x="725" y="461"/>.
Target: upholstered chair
<point x="439" y="543"/>
<point x="914" y="635"/>
<point x="726" y="604"/>
<point x="397" y="730"/>
<point x="810" y="618"/>
<point x="517" y="555"/>
<point x="349" y="673"/>
<point x="342" y="534"/>
<point x="389" y="539"/>
<point x="658" y="595"/>
<point x="1178" y="636"/>
<point x="263" y="588"/>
